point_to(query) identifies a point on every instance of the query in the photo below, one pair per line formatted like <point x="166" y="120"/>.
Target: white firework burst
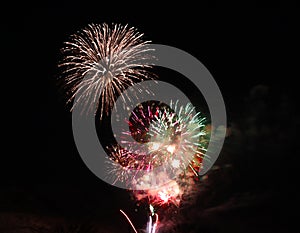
<point x="100" y="62"/>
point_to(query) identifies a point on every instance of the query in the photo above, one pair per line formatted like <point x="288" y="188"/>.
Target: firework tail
<point x="151" y="225"/>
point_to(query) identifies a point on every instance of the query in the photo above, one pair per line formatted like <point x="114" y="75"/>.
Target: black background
<point x="41" y="171"/>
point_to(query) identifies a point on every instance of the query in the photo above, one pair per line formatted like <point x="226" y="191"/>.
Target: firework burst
<point x="171" y="137"/>
<point x="100" y="62"/>
<point x="165" y="136"/>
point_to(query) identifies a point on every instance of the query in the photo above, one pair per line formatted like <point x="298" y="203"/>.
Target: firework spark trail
<point x="151" y="226"/>
<point x="100" y="62"/>
<point x="155" y="224"/>
<point x="128" y="219"/>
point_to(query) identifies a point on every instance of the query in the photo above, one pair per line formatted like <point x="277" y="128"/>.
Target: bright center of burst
<point x="164" y="196"/>
<point x="169" y="193"/>
<point x="171" y="149"/>
<point x="155" y="146"/>
<point x="175" y="163"/>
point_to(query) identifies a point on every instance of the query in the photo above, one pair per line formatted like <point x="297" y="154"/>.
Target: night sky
<point x="253" y="56"/>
